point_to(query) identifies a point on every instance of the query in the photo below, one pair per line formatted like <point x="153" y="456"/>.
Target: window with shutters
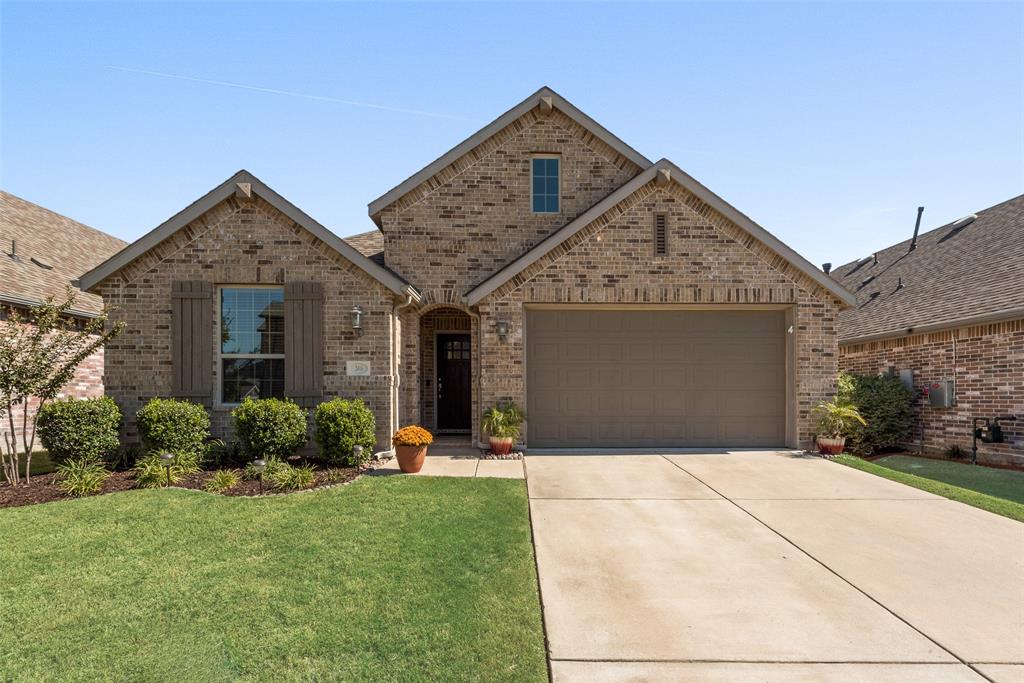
<point x="660" y="234"/>
<point x="251" y="323"/>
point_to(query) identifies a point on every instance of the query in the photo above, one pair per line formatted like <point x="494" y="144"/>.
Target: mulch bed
<point x="43" y="488"/>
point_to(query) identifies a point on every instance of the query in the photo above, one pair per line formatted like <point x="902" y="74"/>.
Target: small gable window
<point x="545" y="184"/>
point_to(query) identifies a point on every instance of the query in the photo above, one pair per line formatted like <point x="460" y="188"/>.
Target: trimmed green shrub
<point x="79" y="430"/>
<point x="221" y="481"/>
<point x="175" y="426"/>
<point x="81" y="477"/>
<point x="270" y="427"/>
<point x="884" y="403"/>
<point x="340" y="426"/>
<point x="151" y="473"/>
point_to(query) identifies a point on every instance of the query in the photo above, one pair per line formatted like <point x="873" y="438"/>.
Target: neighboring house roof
<point x="673" y="173"/>
<point x="969" y="271"/>
<point x="369" y="244"/>
<point x="241" y="182"/>
<point x="52" y="250"/>
<point x="545" y="96"/>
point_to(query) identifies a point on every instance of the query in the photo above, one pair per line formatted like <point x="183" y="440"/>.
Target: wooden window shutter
<point x="304" y="342"/>
<point x="660" y="234"/>
<point x="192" y="338"/>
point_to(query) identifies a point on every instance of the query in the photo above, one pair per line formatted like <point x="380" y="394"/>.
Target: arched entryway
<point x="446" y="380"/>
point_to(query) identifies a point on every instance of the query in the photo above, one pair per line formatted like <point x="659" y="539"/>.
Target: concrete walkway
<point x="768" y="567"/>
<point x="460" y="466"/>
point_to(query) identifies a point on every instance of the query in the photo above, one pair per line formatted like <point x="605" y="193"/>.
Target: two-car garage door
<point x="605" y="378"/>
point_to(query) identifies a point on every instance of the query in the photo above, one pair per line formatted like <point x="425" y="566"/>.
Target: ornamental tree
<point x="39" y="353"/>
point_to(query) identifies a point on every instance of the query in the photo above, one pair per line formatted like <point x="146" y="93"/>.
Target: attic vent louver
<point x="660" y="234"/>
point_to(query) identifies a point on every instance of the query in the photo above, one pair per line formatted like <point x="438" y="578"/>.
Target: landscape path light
<point x="167" y="459"/>
<point x="259" y="466"/>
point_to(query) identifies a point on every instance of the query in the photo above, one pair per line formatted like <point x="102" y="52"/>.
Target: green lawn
<point x="390" y="578"/>
<point x="998" y="491"/>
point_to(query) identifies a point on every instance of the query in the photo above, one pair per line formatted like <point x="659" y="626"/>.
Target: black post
<point x="168" y="468"/>
<point x="975" y="432"/>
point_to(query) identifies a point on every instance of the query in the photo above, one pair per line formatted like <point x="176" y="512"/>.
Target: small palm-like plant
<point x="837" y="419"/>
<point x="503" y="421"/>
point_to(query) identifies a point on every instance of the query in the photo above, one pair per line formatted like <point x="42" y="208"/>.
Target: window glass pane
<point x="545" y="185"/>
<point x="256" y="377"/>
<point x="252" y="320"/>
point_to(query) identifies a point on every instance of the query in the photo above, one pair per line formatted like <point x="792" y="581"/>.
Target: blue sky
<point x="826" y="123"/>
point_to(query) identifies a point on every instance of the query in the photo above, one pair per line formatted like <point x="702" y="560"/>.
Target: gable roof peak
<point x="538" y="98"/>
<point x="663" y="172"/>
<point x="232" y="187"/>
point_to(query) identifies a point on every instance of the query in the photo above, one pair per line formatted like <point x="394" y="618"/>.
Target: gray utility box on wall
<point x="941" y="394"/>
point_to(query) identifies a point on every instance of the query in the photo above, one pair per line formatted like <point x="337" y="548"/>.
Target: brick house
<point x="43" y="254"/>
<point x="541" y="260"/>
<point x="949" y="306"/>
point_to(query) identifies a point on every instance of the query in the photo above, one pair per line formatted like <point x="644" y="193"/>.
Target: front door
<point x="453" y="382"/>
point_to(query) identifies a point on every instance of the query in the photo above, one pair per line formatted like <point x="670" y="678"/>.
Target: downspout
<point x="475" y="315"/>
<point x="411" y="297"/>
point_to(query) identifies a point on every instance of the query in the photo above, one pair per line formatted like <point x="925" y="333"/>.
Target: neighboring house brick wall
<point x="244" y="242"/>
<point x="459" y="227"/>
<point x="709" y="261"/>
<point x="987" y="363"/>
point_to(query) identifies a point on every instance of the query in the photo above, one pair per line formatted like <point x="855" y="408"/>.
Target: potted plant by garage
<point x="411" y="447"/>
<point x="502" y="424"/>
<point x="834" y="422"/>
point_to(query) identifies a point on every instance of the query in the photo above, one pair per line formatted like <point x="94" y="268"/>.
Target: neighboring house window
<point x="545" y="184"/>
<point x="251" y="343"/>
<point x="660" y="234"/>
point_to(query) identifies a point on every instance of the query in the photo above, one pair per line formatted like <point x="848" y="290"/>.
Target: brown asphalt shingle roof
<point x="369" y="244"/>
<point x="42" y="236"/>
<point x="959" y="271"/>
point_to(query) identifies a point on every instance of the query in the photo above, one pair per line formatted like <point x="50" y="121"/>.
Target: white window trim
<point x="219" y="368"/>
<point x="546" y="156"/>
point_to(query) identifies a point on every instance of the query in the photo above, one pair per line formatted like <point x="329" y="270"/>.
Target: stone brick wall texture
<point x="456" y="229"/>
<point x="987" y="364"/>
<point x="709" y="261"/>
<point x="87" y="383"/>
<point x="244" y="242"/>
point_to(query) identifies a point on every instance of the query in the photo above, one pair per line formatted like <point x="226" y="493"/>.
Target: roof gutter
<point x="984" y="319"/>
<point x="30" y="303"/>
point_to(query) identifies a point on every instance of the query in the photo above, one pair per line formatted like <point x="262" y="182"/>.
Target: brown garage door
<point x="655" y="378"/>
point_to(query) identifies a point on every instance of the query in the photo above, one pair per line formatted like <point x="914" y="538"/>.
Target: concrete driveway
<point x="760" y="566"/>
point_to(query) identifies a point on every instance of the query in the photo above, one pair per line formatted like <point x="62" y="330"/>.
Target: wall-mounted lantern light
<point x="501" y="327"/>
<point x="357" y="318"/>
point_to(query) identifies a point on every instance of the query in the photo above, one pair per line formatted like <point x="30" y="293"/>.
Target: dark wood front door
<point x="453" y="382"/>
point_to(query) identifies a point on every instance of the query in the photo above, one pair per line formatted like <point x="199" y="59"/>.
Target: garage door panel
<point x="608" y="378"/>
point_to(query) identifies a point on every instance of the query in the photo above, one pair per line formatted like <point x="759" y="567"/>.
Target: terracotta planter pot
<point x="501" y="446"/>
<point x="831" y="446"/>
<point x="410" y="458"/>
